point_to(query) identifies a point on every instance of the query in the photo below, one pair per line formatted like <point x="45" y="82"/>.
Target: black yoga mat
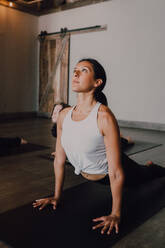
<point x="29" y="147"/>
<point x="71" y="224"/>
<point x="140" y="146"/>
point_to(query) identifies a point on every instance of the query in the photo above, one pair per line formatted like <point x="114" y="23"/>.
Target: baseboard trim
<point x="17" y="115"/>
<point x="142" y="125"/>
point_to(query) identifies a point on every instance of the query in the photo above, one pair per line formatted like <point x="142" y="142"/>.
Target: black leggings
<point x="136" y="174"/>
<point x="8" y="143"/>
<point x="124" y="144"/>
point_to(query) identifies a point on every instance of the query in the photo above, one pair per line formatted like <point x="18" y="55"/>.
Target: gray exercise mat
<point x="140" y="146"/>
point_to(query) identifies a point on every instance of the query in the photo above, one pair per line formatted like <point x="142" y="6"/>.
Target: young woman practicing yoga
<point x="89" y="136"/>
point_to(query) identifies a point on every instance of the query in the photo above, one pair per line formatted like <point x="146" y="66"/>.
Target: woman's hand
<point x="41" y="203"/>
<point x="108" y="223"/>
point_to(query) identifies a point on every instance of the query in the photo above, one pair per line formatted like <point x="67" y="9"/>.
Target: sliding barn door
<point x="54" y="72"/>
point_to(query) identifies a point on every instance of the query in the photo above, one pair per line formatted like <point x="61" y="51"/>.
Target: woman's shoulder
<point x="64" y="112"/>
<point x="105" y="114"/>
<point x="105" y="111"/>
<point x="62" y="115"/>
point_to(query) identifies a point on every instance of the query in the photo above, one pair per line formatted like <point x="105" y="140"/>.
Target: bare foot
<point x="148" y="163"/>
<point x="53" y="154"/>
<point x="130" y="141"/>
<point x="23" y="141"/>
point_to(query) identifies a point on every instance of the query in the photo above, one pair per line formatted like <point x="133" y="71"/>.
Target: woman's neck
<point x="85" y="103"/>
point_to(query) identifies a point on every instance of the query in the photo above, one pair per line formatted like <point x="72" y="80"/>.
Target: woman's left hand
<point x="108" y="223"/>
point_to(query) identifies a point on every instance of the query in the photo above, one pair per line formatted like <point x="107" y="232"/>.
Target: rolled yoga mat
<point x="70" y="225"/>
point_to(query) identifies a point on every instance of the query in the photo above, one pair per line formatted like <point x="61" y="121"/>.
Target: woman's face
<point x="56" y="112"/>
<point x="83" y="77"/>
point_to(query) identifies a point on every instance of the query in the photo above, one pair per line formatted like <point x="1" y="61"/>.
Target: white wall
<point x="18" y="61"/>
<point x="131" y="50"/>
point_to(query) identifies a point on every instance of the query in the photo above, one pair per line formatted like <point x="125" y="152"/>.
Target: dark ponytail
<point x="99" y="73"/>
<point x="100" y="97"/>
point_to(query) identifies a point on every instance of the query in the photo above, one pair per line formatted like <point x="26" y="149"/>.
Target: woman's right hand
<point x="41" y="203"/>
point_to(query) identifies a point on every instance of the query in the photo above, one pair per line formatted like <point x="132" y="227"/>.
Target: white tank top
<point x="83" y="143"/>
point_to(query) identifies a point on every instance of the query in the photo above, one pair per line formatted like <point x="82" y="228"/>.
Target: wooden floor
<point x="26" y="177"/>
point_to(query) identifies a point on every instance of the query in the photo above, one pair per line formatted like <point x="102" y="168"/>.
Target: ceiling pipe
<point x="30" y="2"/>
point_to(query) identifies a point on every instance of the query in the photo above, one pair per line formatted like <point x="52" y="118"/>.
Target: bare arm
<point x="59" y="161"/>
<point x="116" y="175"/>
<point x="109" y="128"/>
<point x="59" y="169"/>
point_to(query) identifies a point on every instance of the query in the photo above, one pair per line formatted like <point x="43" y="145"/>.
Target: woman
<point x="54" y="116"/>
<point x="88" y="135"/>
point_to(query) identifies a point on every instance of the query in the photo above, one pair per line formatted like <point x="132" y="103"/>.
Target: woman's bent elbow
<point x="118" y="176"/>
<point x="59" y="163"/>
